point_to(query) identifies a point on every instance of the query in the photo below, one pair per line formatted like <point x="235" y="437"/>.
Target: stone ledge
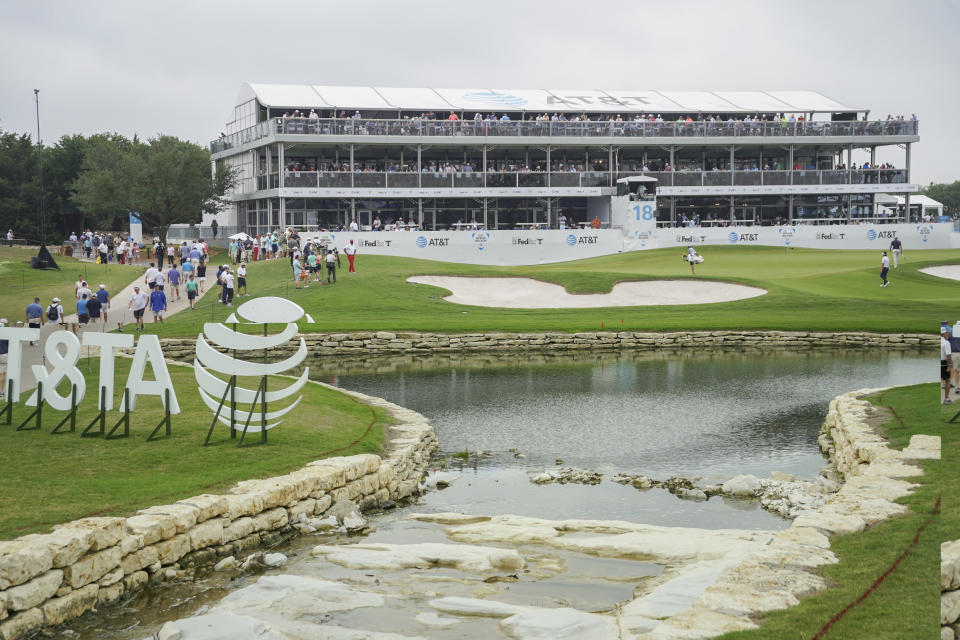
<point x="48" y="579"/>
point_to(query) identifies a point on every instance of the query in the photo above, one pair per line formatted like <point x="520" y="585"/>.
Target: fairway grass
<point x="19" y="284"/>
<point x="906" y="605"/>
<point x="808" y="290"/>
<point x="49" y="479"/>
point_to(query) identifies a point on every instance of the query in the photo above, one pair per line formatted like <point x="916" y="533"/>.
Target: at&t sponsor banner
<point x="508" y="248"/>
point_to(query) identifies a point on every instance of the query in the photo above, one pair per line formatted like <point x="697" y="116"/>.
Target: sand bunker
<point x="950" y="271"/>
<point x="526" y="293"/>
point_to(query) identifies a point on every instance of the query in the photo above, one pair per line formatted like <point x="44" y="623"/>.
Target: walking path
<point x="116" y="313"/>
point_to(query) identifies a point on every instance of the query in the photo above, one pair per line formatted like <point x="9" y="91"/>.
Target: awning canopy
<point x="470" y="100"/>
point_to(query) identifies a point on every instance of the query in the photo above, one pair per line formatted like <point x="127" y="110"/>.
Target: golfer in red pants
<point x="351" y="251"/>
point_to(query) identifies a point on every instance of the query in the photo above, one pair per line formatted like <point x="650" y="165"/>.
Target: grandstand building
<point x="322" y="156"/>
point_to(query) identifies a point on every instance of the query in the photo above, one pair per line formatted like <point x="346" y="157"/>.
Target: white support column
<point x="283" y="165"/>
<point x="906" y="196"/>
<point x="351" y="174"/>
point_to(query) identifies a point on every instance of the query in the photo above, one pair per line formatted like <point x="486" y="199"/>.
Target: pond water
<point x="709" y="414"/>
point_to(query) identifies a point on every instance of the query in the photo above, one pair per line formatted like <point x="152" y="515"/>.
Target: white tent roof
<point x="537" y="100"/>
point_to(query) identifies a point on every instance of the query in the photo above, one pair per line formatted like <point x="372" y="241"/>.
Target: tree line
<point x="94" y="182"/>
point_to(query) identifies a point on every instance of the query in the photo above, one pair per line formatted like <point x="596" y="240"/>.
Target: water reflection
<point x="707" y="413"/>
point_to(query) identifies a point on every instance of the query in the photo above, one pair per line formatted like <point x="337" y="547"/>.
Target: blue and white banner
<point x="136" y="227"/>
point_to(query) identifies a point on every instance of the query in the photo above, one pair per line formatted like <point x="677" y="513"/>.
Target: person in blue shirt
<point x="104" y="297"/>
<point x="35" y="317"/>
<point x="158" y="304"/>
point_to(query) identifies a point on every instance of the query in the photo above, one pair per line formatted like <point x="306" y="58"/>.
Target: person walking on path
<point x="331" y="261"/>
<point x="201" y="274"/>
<point x="896" y="248"/>
<point x="138" y="303"/>
<point x="351" y="251"/>
<point x="884" y="269"/>
<point x="104" y="297"/>
<point x="93" y="310"/>
<point x="35" y="318"/>
<point x="173" y="276"/>
<point x="158" y="304"/>
<point x="83" y="314"/>
<point x="55" y="312"/>
<point x="192" y="287"/>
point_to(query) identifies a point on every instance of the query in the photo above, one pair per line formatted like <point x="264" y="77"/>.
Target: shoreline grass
<point x="50" y="479"/>
<point x="906" y="605"/>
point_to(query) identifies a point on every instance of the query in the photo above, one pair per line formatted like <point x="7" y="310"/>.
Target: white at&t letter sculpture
<point x="223" y="396"/>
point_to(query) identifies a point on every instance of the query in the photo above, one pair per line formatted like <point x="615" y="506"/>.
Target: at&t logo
<point x="572" y="240"/>
<point x="733" y="237"/>
<point x="421" y="242"/>
<point x="871" y="235"/>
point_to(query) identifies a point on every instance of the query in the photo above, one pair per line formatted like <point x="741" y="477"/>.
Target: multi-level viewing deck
<point x="622" y="129"/>
<point x="310" y="156"/>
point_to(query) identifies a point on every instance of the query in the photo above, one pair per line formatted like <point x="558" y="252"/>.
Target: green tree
<point x="948" y="194"/>
<point x="167" y="180"/>
<point x="19" y="186"/>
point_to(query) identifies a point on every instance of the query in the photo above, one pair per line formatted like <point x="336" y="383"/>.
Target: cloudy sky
<point x="176" y="67"/>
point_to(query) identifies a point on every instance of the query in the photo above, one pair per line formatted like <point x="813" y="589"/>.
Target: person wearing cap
<point x="945" y="366"/>
<point x="227" y="279"/>
<point x="331" y="261"/>
<point x="83" y="314"/>
<point x="158" y="304"/>
<point x="138" y="303"/>
<point x="351" y="251"/>
<point x="35" y="317"/>
<point x="173" y="277"/>
<point x="884" y="269"/>
<point x="93" y="309"/>
<point x="104" y="297"/>
<point x="242" y="278"/>
<point x="84" y="290"/>
<point x="55" y="312"/>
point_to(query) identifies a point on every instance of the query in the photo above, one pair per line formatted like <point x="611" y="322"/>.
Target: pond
<point x="702" y="414"/>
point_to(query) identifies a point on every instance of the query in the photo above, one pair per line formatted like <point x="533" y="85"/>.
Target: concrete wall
<point x="47" y="579"/>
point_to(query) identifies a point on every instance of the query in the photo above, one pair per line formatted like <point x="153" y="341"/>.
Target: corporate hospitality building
<point x="321" y="156"/>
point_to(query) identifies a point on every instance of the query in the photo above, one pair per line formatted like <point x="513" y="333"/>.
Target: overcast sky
<point x="176" y="67"/>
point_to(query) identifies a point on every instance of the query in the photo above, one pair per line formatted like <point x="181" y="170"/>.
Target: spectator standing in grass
<point x="9" y="237"/>
<point x="297" y="272"/>
<point x="104" y="297"/>
<point x="158" y="304"/>
<point x="4" y="348"/>
<point x="192" y="286"/>
<point x="331" y="261"/>
<point x="228" y="287"/>
<point x="351" y="251"/>
<point x="242" y="278"/>
<point x="884" y="269"/>
<point x="35" y="317"/>
<point x="173" y="277"/>
<point x="945" y="367"/>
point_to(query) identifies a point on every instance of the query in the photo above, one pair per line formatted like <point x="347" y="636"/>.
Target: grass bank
<point x="48" y="479"/>
<point x="20" y="284"/>
<point x="808" y="290"/>
<point x="906" y="605"/>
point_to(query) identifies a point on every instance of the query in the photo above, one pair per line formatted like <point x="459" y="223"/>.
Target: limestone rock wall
<point x="775" y="578"/>
<point x="950" y="590"/>
<point x="47" y="579"/>
<point x="363" y="343"/>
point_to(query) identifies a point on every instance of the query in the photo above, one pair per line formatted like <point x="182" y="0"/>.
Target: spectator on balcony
<point x="313" y="114"/>
<point x="452" y="116"/>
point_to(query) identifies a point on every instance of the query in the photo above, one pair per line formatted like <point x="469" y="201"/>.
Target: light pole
<point x="36" y="96"/>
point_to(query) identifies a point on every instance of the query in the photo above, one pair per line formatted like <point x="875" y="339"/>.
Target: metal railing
<point x="562" y="129"/>
<point x="533" y="179"/>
